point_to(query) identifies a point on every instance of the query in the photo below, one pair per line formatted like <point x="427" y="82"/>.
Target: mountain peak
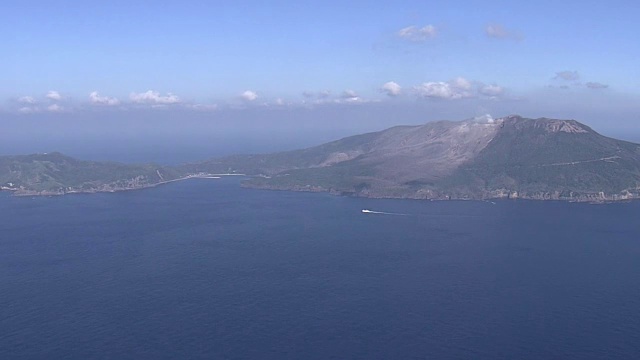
<point x="547" y="125"/>
<point x="477" y="158"/>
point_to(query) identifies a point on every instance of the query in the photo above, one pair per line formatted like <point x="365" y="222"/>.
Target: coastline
<point x="107" y="188"/>
<point x="591" y="198"/>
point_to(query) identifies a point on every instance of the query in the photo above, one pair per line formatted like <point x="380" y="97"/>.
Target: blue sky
<point x="448" y="59"/>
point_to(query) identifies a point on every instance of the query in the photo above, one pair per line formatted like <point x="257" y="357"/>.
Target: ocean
<point x="205" y="269"/>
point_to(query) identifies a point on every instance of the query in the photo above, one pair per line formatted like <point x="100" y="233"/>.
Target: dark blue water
<point x="205" y="269"/>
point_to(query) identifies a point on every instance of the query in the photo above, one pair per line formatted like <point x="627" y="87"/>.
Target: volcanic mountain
<point x="473" y="159"/>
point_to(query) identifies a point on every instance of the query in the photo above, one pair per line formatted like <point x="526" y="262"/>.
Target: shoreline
<point x="584" y="199"/>
<point x="317" y="189"/>
<point x="26" y="193"/>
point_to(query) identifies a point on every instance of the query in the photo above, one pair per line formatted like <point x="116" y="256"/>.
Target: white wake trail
<point x="366" y="211"/>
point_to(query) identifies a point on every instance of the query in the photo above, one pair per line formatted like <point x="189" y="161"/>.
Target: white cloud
<point x="154" y="97"/>
<point x="324" y="94"/>
<point x="414" y="33"/>
<point x="249" y="95"/>
<point x="202" y="107"/>
<point x="567" y="75"/>
<point x="596" y="85"/>
<point x="95" y="98"/>
<point x="53" y="95"/>
<point x="27" y="100"/>
<point x="55" y="108"/>
<point x="498" y="31"/>
<point x="441" y="90"/>
<point x="458" y="88"/>
<point x="492" y="90"/>
<point x="349" y="94"/>
<point x="572" y="78"/>
<point x="461" y="83"/>
<point x="28" y="110"/>
<point x="391" y="88"/>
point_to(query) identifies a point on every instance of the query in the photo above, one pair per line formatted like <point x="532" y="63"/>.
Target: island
<point x="57" y="174"/>
<point x="511" y="157"/>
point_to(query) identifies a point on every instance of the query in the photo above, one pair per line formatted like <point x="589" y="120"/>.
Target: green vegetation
<point x="56" y="173"/>
<point x="524" y="158"/>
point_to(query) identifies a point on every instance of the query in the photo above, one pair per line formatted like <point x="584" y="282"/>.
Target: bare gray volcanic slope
<point x="400" y="153"/>
<point x="429" y="151"/>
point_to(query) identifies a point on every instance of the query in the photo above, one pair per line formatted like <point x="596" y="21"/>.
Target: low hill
<point x="55" y="173"/>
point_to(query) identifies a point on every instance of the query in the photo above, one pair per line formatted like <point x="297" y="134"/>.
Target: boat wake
<point x="366" y="211"/>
